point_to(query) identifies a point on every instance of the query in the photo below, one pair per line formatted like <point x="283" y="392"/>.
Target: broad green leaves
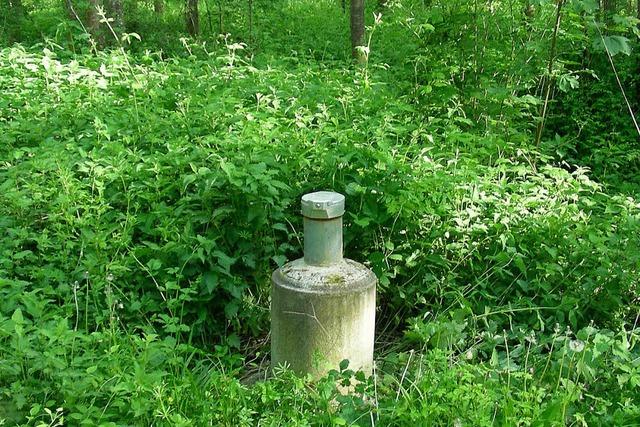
<point x="145" y="206"/>
<point x="613" y="44"/>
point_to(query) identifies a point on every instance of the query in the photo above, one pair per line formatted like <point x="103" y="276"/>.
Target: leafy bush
<point x="147" y="195"/>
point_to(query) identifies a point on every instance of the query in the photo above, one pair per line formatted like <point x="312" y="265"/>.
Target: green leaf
<point x="21" y="254"/>
<point x="520" y="264"/>
<point x="566" y="82"/>
<point x="233" y="341"/>
<point x="17" y="317"/>
<point x="362" y="222"/>
<point x="280" y="226"/>
<point x="588" y="6"/>
<point x="493" y="362"/>
<point x="551" y="415"/>
<point x="231" y="310"/>
<point x="210" y="281"/>
<point x="224" y="260"/>
<point x="154" y="264"/>
<point x="280" y="260"/>
<point x="613" y="44"/>
<point x="35" y="410"/>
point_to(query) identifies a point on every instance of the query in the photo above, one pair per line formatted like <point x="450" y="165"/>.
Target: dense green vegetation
<point x="149" y="185"/>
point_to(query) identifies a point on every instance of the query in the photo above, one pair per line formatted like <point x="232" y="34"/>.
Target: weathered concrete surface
<point x="321" y="315"/>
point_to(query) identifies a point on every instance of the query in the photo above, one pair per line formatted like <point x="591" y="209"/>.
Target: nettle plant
<point x="146" y="198"/>
<point x="492" y="235"/>
<point x="176" y="169"/>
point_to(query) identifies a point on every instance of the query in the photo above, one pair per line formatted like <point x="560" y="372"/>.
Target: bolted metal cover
<point x="323" y="205"/>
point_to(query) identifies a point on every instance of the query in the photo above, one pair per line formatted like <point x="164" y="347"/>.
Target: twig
<point x="70" y="4"/>
<point x="547" y="81"/>
<point x="615" y="72"/>
<point x="375" y="391"/>
<point x="144" y="267"/>
<point x="404" y="373"/>
<point x="75" y="301"/>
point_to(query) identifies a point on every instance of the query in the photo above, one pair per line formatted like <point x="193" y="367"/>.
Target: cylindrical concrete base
<point x="321" y="316"/>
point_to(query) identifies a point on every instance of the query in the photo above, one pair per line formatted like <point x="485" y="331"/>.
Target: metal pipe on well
<point x="322" y="212"/>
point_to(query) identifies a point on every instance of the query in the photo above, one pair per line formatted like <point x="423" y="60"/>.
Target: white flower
<point x="576" y="346"/>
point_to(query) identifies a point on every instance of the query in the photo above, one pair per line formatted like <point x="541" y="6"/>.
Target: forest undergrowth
<point x="148" y="188"/>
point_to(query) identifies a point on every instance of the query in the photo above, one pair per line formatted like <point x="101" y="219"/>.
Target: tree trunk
<point x="206" y="4"/>
<point x="68" y="8"/>
<point x="114" y="11"/>
<point x="220" y="18"/>
<point x="16" y="8"/>
<point x="638" y="60"/>
<point x="357" y="28"/>
<point x="609" y="6"/>
<point x="547" y="80"/>
<point x="250" y="20"/>
<point x="93" y="20"/>
<point x="529" y="10"/>
<point x="192" y="17"/>
<point x="158" y="7"/>
<point x="14" y="21"/>
<point x="609" y="9"/>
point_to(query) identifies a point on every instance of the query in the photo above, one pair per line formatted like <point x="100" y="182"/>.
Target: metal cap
<point x="323" y="205"/>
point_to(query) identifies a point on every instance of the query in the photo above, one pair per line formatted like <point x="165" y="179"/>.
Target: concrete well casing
<point x="324" y="313"/>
